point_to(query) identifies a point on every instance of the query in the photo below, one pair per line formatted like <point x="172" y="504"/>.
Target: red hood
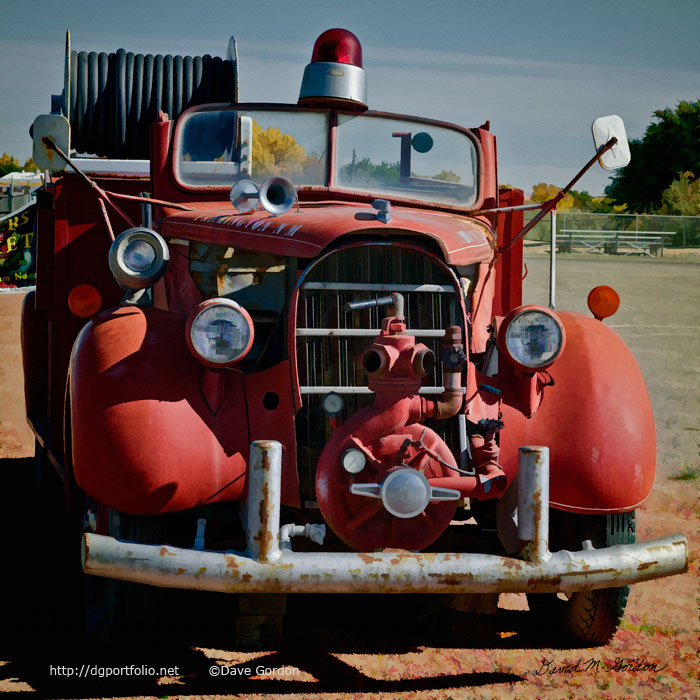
<point x="306" y="233"/>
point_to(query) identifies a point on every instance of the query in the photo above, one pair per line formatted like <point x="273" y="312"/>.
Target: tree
<point x="277" y="153"/>
<point x="365" y="172"/>
<point x="542" y="192"/>
<point x="8" y="164"/>
<point x="447" y="176"/>
<point x="682" y="196"/>
<point x="669" y="146"/>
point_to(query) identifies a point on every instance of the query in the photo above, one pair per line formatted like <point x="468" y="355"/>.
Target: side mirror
<point x="604" y="128"/>
<point x="57" y="128"/>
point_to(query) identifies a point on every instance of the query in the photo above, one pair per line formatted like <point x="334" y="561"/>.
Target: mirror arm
<point x="552" y="203"/>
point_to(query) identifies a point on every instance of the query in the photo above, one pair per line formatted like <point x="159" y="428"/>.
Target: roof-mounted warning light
<point x="335" y="77"/>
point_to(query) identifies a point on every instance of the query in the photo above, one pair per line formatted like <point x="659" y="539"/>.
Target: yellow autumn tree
<point x="276" y="153"/>
<point x="542" y="192"/>
<point x="8" y="164"/>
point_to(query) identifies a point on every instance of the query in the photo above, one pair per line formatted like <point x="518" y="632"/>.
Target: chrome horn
<point x="277" y="195"/>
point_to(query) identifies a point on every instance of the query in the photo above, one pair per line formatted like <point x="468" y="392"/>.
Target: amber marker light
<point x="84" y="300"/>
<point x="603" y="301"/>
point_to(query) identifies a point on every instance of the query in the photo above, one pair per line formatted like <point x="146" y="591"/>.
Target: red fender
<point x="153" y="430"/>
<point x="596" y="420"/>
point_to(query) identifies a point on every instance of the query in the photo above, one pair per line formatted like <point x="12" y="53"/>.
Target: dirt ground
<point x="16" y="439"/>
<point x="395" y="647"/>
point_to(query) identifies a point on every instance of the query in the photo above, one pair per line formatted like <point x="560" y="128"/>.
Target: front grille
<point x="330" y="340"/>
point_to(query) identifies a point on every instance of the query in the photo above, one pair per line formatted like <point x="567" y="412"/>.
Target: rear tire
<point x="592" y="616"/>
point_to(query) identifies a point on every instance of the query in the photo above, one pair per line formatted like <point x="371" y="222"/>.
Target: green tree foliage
<point x="669" y="146"/>
<point x="447" y="176"/>
<point x="367" y="172"/>
<point x="583" y="201"/>
<point x="8" y="164"/>
<point x="682" y="196"/>
<point x="576" y="201"/>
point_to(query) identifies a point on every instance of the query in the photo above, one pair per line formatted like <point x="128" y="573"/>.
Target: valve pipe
<point x="453" y="397"/>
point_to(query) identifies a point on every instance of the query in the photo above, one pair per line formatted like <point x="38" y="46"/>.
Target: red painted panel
<point x="482" y="306"/>
<point x="596" y="420"/>
<point x="509" y="265"/>
<point x="144" y="439"/>
<point x="307" y="232"/>
<point x="489" y="179"/>
<point x="275" y="421"/>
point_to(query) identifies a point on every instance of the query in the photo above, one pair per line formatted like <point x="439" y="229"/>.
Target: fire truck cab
<point x="288" y="352"/>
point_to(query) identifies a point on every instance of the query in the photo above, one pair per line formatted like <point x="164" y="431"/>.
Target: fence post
<point x="552" y="257"/>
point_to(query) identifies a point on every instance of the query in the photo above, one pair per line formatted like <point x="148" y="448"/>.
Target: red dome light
<point x="337" y="46"/>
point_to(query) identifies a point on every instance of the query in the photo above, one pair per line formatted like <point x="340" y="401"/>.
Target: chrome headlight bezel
<point x="234" y="311"/>
<point x="507" y="338"/>
<point x="129" y="278"/>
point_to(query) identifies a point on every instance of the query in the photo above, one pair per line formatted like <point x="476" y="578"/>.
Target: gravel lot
<point x="368" y="648"/>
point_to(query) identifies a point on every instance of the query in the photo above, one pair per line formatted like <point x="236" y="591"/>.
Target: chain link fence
<point x="685" y="229"/>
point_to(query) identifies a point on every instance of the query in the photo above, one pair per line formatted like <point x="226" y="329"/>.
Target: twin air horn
<point x="277" y="195"/>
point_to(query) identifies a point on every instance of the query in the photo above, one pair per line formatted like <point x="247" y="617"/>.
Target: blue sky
<point x="540" y="71"/>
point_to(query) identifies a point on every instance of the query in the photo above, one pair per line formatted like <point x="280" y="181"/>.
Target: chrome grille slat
<point x="364" y="332"/>
<point x="330" y="339"/>
<point x="323" y="390"/>
<point x="363" y="286"/>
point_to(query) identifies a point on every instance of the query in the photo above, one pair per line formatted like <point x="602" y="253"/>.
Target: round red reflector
<point x="84" y="300"/>
<point x="603" y="301"/>
<point x="337" y="46"/>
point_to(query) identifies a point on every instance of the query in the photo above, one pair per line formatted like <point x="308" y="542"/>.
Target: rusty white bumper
<point x="264" y="568"/>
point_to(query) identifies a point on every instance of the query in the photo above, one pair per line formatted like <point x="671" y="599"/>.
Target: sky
<point x="540" y="71"/>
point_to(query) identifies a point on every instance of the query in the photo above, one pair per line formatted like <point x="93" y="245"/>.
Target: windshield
<point x="385" y="157"/>
<point x="219" y="147"/>
<point x="418" y="161"/>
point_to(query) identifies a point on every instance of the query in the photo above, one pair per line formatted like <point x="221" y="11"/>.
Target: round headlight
<point x="219" y="332"/>
<point x="138" y="258"/>
<point x="531" y="337"/>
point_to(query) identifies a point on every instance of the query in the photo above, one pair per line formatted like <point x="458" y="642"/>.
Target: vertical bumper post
<point x="533" y="503"/>
<point x="264" y="495"/>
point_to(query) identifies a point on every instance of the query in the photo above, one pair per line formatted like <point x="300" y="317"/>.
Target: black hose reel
<point x="111" y="99"/>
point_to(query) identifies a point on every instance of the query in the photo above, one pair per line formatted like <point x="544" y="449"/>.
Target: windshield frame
<point x="332" y="189"/>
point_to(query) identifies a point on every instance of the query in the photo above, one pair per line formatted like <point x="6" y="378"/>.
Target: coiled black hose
<point x="115" y="97"/>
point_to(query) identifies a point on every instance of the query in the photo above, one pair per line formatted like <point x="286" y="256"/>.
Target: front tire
<point x="592" y="616"/>
<point x="114" y="609"/>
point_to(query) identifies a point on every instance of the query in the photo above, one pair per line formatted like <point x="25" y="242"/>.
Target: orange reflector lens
<point x="84" y="300"/>
<point x="603" y="301"/>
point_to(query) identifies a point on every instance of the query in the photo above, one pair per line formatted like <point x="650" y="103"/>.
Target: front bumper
<point x="265" y="568"/>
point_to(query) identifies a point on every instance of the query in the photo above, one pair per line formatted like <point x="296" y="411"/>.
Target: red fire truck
<point x="281" y="348"/>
